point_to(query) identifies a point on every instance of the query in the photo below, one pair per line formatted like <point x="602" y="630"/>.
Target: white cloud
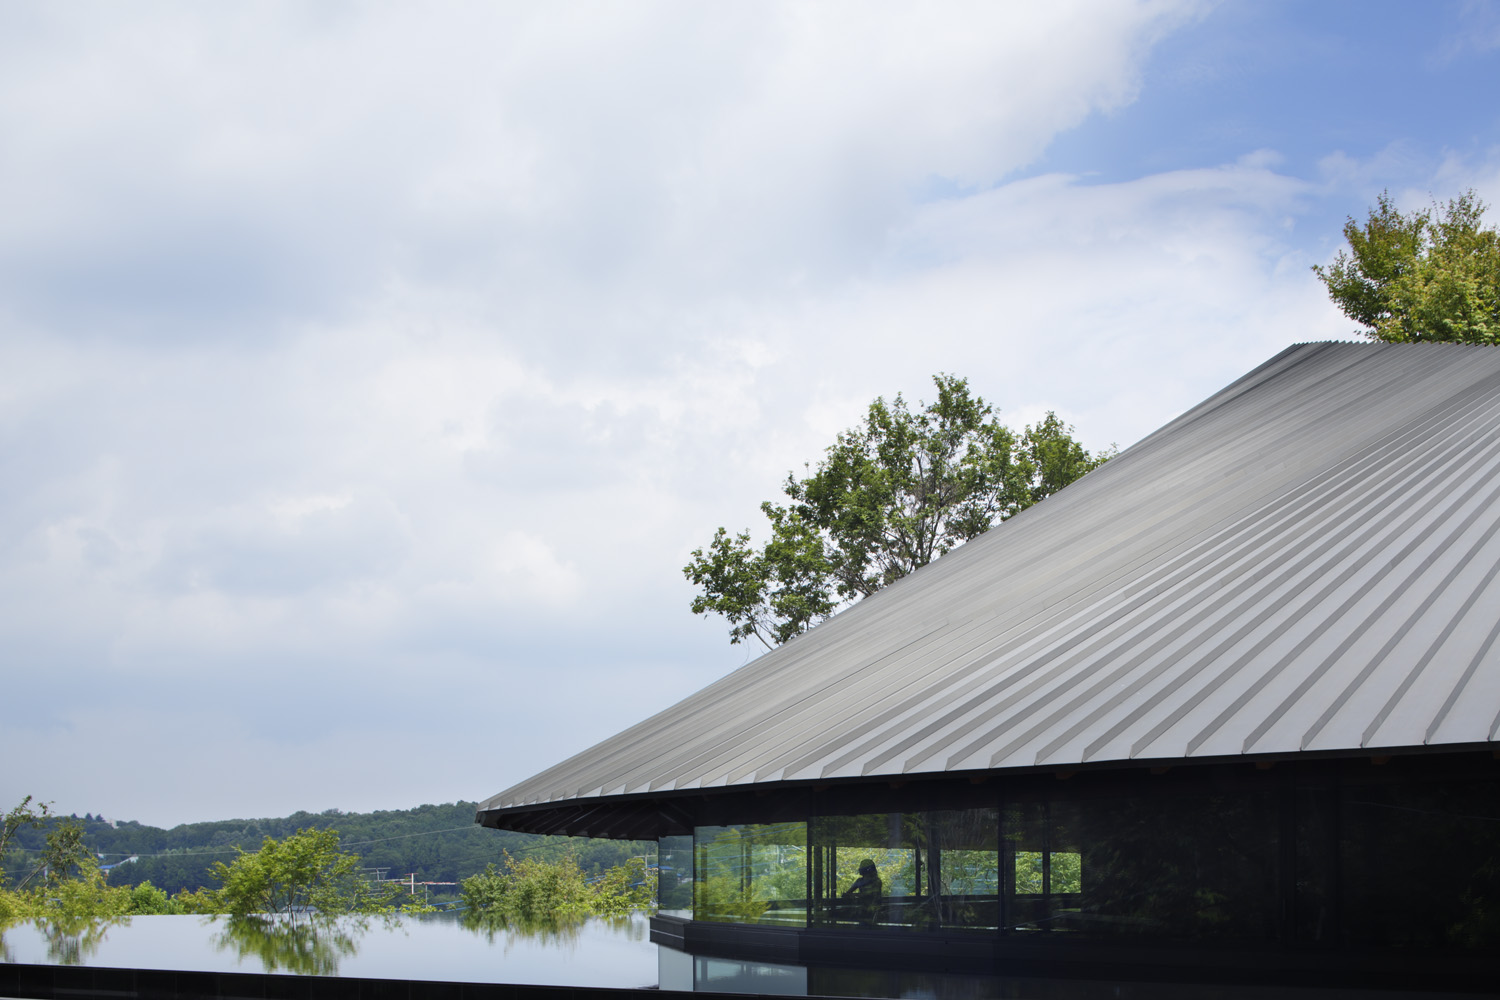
<point x="368" y="371"/>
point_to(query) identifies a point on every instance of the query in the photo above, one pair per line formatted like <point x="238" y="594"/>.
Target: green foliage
<point x="730" y="899"/>
<point x="65" y="858"/>
<point x="624" y="890"/>
<point x="1066" y="872"/>
<point x="888" y="497"/>
<point x="204" y="901"/>
<point x="148" y="899"/>
<point x="752" y="873"/>
<point x="439" y="843"/>
<point x="82" y="897"/>
<point x="771" y="594"/>
<point x="85" y="896"/>
<point x="535" y="894"/>
<point x="1431" y="275"/>
<point x="304" y="872"/>
<point x="22" y="816"/>
<point x="64" y="881"/>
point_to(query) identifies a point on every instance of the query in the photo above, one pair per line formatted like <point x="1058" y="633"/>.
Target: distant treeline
<point x="437" y="843"/>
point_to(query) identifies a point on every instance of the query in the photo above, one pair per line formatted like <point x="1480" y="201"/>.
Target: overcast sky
<point x="368" y="371"/>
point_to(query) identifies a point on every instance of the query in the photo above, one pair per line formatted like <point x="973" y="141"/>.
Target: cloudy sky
<point x="368" y="371"/>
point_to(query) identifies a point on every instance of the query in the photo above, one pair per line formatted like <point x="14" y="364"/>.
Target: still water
<point x="617" y="954"/>
<point x="430" y="947"/>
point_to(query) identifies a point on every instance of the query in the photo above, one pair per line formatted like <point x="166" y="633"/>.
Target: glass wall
<point x="674" y="886"/>
<point x="1336" y="857"/>
<point x="1043" y="869"/>
<point x="1419" y="865"/>
<point x="751" y="874"/>
<point x="964" y="867"/>
<point x="867" y="871"/>
<point x="1189" y="866"/>
<point x="919" y="871"/>
<point x="1185" y="865"/>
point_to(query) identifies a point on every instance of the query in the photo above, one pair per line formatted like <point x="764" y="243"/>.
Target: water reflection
<point x="68" y="941"/>
<point x="306" y="945"/>
<point x="446" y="947"/>
<point x="310" y="944"/>
<point x="550" y="933"/>
<point x="439" y="947"/>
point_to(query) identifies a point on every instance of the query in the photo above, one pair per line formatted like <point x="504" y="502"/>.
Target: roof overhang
<point x="1305" y="564"/>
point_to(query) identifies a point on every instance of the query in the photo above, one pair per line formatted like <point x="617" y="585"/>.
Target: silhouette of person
<point x="866" y="891"/>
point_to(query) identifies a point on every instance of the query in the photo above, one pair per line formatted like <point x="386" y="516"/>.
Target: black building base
<point x="1131" y="966"/>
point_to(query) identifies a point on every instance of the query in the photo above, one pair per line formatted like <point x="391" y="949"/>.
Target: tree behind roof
<point x="1428" y="275"/>
<point x="890" y="495"/>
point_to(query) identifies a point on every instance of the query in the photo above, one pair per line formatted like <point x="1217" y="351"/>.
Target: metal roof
<point x="1306" y="561"/>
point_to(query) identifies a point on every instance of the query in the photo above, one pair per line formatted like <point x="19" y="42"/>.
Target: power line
<point x="404" y="836"/>
<point x="232" y="850"/>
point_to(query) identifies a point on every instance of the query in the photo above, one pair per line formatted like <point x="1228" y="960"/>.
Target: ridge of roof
<point x="1304" y="562"/>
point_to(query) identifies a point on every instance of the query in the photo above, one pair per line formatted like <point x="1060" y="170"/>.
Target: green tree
<point x="534" y="894"/>
<point x="147" y="898"/>
<point x="1428" y="275"/>
<point x="22" y="816"/>
<point x="65" y="856"/>
<point x="530" y="892"/>
<point x="305" y="871"/>
<point x="888" y="497"/>
<point x="624" y="889"/>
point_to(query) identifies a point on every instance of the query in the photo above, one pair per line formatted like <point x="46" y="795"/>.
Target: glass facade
<point x="1419" y="867"/>
<point x="674" y="870"/>
<point x="920" y="870"/>
<point x="1349" y="857"/>
<point x="751" y="874"/>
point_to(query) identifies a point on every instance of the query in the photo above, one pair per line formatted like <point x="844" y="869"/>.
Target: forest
<point x="436" y="843"/>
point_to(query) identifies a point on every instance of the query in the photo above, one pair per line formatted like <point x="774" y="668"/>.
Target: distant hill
<point x="437" y="843"/>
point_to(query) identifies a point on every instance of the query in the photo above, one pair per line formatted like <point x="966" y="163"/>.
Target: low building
<point x="1228" y="702"/>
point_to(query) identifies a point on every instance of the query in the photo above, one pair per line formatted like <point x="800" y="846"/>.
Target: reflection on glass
<point x="907" y="870"/>
<point x="965" y="867"/>
<point x="1315" y="860"/>
<point x="1420" y="865"/>
<point x="674" y="892"/>
<point x="751" y="874"/>
<point x="725" y="975"/>
<point x="1183" y="866"/>
<point x="1050" y="872"/>
<point x="1188" y="867"/>
<point x="869" y="871"/>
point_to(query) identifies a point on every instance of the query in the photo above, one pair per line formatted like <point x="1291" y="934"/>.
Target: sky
<point x="368" y="372"/>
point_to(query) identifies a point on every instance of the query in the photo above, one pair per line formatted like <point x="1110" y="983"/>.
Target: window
<point x="751" y="874"/>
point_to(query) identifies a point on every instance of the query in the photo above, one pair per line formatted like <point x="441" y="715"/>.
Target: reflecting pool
<point x="615" y="954"/>
<point x="429" y="947"/>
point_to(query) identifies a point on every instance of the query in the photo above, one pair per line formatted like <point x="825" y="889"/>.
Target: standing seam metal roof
<point x="1306" y="561"/>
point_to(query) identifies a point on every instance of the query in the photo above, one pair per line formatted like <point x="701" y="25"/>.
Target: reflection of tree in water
<point x="556" y="933"/>
<point x="306" y="946"/>
<point x="72" y="940"/>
